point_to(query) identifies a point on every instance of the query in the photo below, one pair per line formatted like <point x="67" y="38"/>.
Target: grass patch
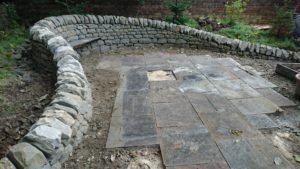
<point x="9" y="39"/>
<point x="184" y="20"/>
<point x="246" y="32"/>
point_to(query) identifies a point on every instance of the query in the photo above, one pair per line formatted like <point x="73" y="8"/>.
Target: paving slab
<point x="251" y="153"/>
<point x="174" y="114"/>
<point x="137" y="79"/>
<point x="213" y="165"/>
<point x="187" y="146"/>
<point x="259" y="105"/>
<point x="155" y="58"/>
<point x="178" y="60"/>
<point x="223" y="126"/>
<point x="115" y="138"/>
<point x="235" y="89"/>
<point x="254" y="81"/>
<point x="139" y="131"/>
<point x="227" y="62"/>
<point x="203" y="60"/>
<point x="261" y="121"/>
<point x="276" y="98"/>
<point x="201" y="103"/>
<point x="181" y="72"/>
<point x="137" y="103"/>
<point x="167" y="95"/>
<point x="133" y="60"/>
<point x="220" y="103"/>
<point x="216" y="73"/>
<point x="200" y="85"/>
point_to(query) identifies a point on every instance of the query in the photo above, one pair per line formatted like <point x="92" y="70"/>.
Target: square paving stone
<point x="199" y="85"/>
<point x="235" y="89"/>
<point x="276" y="98"/>
<point x="140" y="130"/>
<point x="261" y="121"/>
<point x="175" y="114"/>
<point x="251" y="153"/>
<point x="137" y="80"/>
<point x="213" y="165"/>
<point x="133" y="60"/>
<point x="227" y="62"/>
<point x="188" y="145"/>
<point x="220" y="103"/>
<point x="222" y="126"/>
<point x="259" y="105"/>
<point x="216" y="73"/>
<point x="168" y="95"/>
<point x="254" y="81"/>
<point x="201" y="103"/>
<point x="136" y="103"/>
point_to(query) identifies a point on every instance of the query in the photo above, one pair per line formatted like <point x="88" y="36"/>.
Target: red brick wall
<point x="258" y="11"/>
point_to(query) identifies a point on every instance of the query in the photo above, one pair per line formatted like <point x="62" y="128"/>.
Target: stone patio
<point x="206" y="112"/>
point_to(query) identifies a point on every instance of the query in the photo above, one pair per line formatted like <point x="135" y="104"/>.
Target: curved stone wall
<point x="58" y="42"/>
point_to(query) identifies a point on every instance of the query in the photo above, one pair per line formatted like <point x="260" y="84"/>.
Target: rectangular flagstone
<point x="175" y="114"/>
<point x="137" y="80"/>
<point x="228" y="62"/>
<point x="203" y="60"/>
<point x="136" y="103"/>
<point x="261" y="121"/>
<point x="217" y="73"/>
<point x="235" y="89"/>
<point x="252" y="153"/>
<point x="212" y="165"/>
<point x="188" y="145"/>
<point x="155" y="58"/>
<point x="177" y="60"/>
<point x="133" y="60"/>
<point x="139" y="131"/>
<point x="276" y="98"/>
<point x="168" y="95"/>
<point x="222" y="126"/>
<point x="259" y="105"/>
<point x="220" y="103"/>
<point x="115" y="138"/>
<point x="197" y="86"/>
<point x="201" y="103"/>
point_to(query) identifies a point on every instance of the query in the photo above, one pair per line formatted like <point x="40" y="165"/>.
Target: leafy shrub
<point x="184" y="20"/>
<point x="283" y="22"/>
<point x="234" y="10"/>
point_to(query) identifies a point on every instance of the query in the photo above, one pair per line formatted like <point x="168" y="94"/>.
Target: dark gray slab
<point x="228" y="62"/>
<point x="251" y="153"/>
<point x="213" y="165"/>
<point x="261" y="121"/>
<point x="139" y="131"/>
<point x="254" y="81"/>
<point x="159" y="85"/>
<point x="156" y="58"/>
<point x="137" y="80"/>
<point x="167" y="95"/>
<point x="133" y="60"/>
<point x="216" y="73"/>
<point x="187" y="146"/>
<point x="276" y="98"/>
<point x="220" y="103"/>
<point x="175" y="114"/>
<point x="222" y="125"/>
<point x="235" y="89"/>
<point x="137" y="103"/>
<point x="259" y="105"/>
<point x="201" y="103"/>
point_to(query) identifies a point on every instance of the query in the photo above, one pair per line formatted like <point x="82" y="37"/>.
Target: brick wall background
<point x="258" y="11"/>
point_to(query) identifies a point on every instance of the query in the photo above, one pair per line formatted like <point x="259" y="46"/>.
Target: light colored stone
<point x="26" y="156"/>
<point x="6" y="164"/>
<point x="61" y="115"/>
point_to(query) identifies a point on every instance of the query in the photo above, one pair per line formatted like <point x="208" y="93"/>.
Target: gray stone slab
<point x="133" y="60"/>
<point x="216" y="73"/>
<point x="178" y="60"/>
<point x="174" y="114"/>
<point x="254" y="81"/>
<point x="181" y="72"/>
<point x="187" y="146"/>
<point x="213" y="165"/>
<point x="227" y="62"/>
<point x="235" y="89"/>
<point x="137" y="80"/>
<point x="251" y="153"/>
<point x="138" y="131"/>
<point x="155" y="58"/>
<point x="276" y="98"/>
<point x="261" y="121"/>
<point x="220" y="103"/>
<point x="259" y="105"/>
<point x="167" y="95"/>
<point x="198" y="85"/>
<point x="203" y="60"/>
<point x="159" y="85"/>
<point x="222" y="125"/>
<point x="201" y="103"/>
<point x="115" y="138"/>
<point x="137" y="103"/>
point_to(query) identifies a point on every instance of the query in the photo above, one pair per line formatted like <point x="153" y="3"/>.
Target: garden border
<point x="67" y="116"/>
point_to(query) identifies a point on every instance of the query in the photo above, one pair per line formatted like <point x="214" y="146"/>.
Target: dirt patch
<point x="22" y="100"/>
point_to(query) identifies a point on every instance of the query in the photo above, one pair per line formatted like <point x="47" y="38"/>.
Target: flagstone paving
<point x="206" y="112"/>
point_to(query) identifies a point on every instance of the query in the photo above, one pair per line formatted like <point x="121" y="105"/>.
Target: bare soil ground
<point x="92" y="152"/>
<point x="22" y="99"/>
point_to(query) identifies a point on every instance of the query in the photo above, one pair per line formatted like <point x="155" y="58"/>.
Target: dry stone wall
<point x="59" y="42"/>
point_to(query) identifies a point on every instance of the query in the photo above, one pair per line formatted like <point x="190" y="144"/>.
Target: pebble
<point x="277" y="161"/>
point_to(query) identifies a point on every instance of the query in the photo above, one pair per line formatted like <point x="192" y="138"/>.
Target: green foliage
<point x="184" y="20"/>
<point x="234" y="10"/>
<point x="283" y="22"/>
<point x="72" y="7"/>
<point x="246" y="32"/>
<point x="178" y="7"/>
